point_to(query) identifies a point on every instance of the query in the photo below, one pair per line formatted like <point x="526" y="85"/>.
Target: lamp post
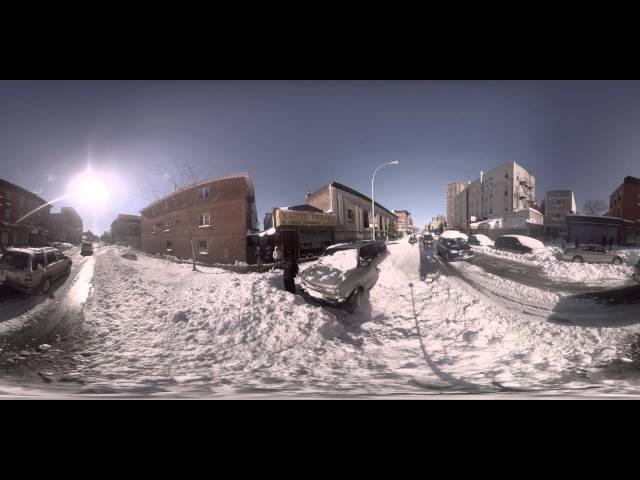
<point x="373" y="203"/>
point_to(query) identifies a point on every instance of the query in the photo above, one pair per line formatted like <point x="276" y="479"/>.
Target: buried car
<point x="591" y="253"/>
<point x="518" y="244"/>
<point x="32" y="269"/>
<point x="344" y="274"/>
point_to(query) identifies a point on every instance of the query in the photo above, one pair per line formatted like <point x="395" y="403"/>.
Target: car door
<point x="53" y="264"/>
<point x="369" y="272"/>
<point x="599" y="255"/>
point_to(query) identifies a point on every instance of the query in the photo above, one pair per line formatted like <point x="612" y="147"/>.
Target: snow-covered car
<point x="454" y="248"/>
<point x="518" y="244"/>
<point x="32" y="269"/>
<point x="480" y="240"/>
<point x="343" y="274"/>
<point x="591" y="253"/>
<point x="636" y="271"/>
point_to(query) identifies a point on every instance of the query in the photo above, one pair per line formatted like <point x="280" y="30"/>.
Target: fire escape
<point x="525" y="193"/>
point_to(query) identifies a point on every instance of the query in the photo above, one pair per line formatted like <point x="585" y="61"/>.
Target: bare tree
<point x="595" y="207"/>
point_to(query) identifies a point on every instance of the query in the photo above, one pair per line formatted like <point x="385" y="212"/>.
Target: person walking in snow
<point x="277" y="257"/>
<point x="610" y="243"/>
<point x="258" y="253"/>
<point x="290" y="272"/>
<point x="604" y="242"/>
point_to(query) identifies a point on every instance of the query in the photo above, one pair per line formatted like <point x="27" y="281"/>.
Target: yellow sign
<point x="299" y="218"/>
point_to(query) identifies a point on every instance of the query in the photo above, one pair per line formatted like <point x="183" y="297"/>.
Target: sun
<point x="90" y="190"/>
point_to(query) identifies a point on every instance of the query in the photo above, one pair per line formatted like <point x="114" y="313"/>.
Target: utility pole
<point x="373" y="203"/>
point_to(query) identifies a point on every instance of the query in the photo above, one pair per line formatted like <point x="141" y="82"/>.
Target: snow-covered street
<point x="152" y="326"/>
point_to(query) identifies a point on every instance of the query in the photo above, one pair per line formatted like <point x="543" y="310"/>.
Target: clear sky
<point x="294" y="137"/>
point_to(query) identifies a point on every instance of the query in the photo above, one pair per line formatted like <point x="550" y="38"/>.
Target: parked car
<point x="454" y="248"/>
<point x="480" y="240"/>
<point x="343" y="274"/>
<point x="591" y="253"/>
<point x="413" y="239"/>
<point x="517" y="244"/>
<point x="32" y="269"/>
<point x="636" y="271"/>
<point x="86" y="249"/>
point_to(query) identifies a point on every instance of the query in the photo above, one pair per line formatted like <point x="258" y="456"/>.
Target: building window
<point x="349" y="215"/>
<point x="205" y="220"/>
<point x="365" y="218"/>
<point x="203" y="193"/>
<point x="167" y="227"/>
<point x="203" y="247"/>
<point x="169" y="249"/>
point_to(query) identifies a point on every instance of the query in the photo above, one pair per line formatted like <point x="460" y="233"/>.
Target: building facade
<point x="125" y="230"/>
<point x="354" y="220"/>
<point x="437" y="223"/>
<point x="209" y="220"/>
<point x="507" y="188"/>
<point x="453" y="190"/>
<point x="18" y="225"/>
<point x="405" y="222"/>
<point x="624" y="202"/>
<point x="66" y="226"/>
<point x="557" y="205"/>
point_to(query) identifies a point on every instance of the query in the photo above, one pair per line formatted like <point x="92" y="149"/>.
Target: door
<point x="53" y="264"/>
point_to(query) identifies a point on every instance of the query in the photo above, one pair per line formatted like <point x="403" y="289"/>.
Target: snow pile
<point x="483" y="240"/>
<point x="454" y="234"/>
<point x="550" y="259"/>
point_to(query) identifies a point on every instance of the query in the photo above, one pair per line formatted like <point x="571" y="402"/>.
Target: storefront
<point x="301" y="232"/>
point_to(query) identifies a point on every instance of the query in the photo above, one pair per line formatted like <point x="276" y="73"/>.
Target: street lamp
<point x="373" y="203"/>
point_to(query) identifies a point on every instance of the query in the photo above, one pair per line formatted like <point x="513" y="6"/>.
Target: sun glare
<point x="90" y="190"/>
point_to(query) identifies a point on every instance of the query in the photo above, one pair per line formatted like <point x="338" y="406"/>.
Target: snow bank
<point x="483" y="240"/>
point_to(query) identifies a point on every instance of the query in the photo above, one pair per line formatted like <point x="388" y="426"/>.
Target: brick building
<point x="212" y="217"/>
<point x="16" y="203"/>
<point x="66" y="226"/>
<point x="557" y="205"/>
<point x="125" y="230"/>
<point x="624" y="202"/>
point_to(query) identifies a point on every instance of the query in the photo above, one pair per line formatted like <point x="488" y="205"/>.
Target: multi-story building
<point x="125" y="230"/>
<point x="209" y="220"/>
<point x="557" y="205"/>
<point x="352" y="209"/>
<point x="507" y="188"/>
<point x="267" y="221"/>
<point x="66" y="226"/>
<point x="22" y="221"/>
<point x="437" y="222"/>
<point x="405" y="222"/>
<point x="624" y="202"/>
<point x="453" y="190"/>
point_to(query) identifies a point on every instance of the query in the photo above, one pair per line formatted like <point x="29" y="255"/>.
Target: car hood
<point x="324" y="276"/>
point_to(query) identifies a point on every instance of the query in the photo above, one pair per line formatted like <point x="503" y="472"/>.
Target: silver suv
<point x="32" y="270"/>
<point x="591" y="253"/>
<point x="344" y="273"/>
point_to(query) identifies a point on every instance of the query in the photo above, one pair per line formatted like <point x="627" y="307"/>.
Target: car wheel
<point x="45" y="285"/>
<point x="577" y="259"/>
<point x="617" y="261"/>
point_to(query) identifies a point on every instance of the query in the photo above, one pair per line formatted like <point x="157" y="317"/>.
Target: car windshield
<point x="15" y="260"/>
<point x="319" y="239"/>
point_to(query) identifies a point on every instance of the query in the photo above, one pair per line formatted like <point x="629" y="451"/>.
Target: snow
<point x="483" y="240"/>
<point x="156" y="326"/>
<point x="454" y="234"/>
<point x="271" y="231"/>
<point x="532" y="243"/>
<point x="342" y="260"/>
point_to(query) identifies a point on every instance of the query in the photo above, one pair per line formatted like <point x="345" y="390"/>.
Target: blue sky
<point x="294" y="137"/>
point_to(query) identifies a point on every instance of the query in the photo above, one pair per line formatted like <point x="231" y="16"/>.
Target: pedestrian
<point x="610" y="243"/>
<point x="604" y="242"/>
<point x="290" y="272"/>
<point x="258" y="253"/>
<point x="277" y="256"/>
